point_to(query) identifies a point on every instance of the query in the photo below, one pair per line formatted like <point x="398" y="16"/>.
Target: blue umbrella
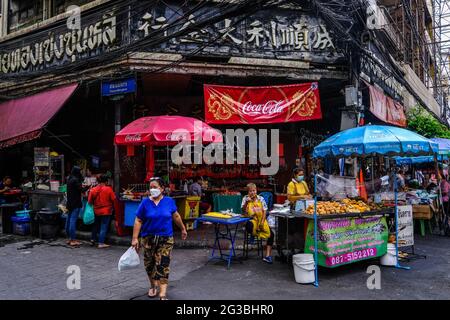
<point x="375" y="140"/>
<point x="444" y="145"/>
<point x="419" y="160"/>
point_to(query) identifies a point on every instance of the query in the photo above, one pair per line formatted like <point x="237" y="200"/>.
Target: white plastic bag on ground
<point x="129" y="260"/>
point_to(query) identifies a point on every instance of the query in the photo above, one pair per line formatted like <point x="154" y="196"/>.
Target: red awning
<point x="23" y="119"/>
<point x="386" y="108"/>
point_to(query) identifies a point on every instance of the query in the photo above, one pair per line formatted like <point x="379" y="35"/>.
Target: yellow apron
<point x="255" y="210"/>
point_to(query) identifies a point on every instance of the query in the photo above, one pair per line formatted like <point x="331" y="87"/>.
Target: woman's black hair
<point x="296" y="171"/>
<point x="76" y="172"/>
<point x="103" y="178"/>
<point x="159" y="180"/>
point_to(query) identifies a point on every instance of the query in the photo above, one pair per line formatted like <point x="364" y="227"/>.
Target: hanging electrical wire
<point x="154" y="37"/>
<point x="242" y="9"/>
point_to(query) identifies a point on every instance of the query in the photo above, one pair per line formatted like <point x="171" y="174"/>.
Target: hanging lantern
<point x="130" y="151"/>
<point x="281" y="150"/>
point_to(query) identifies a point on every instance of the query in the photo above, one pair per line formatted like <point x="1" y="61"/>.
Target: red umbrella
<point x="166" y="130"/>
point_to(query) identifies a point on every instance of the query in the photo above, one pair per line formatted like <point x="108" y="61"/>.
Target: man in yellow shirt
<point x="297" y="189"/>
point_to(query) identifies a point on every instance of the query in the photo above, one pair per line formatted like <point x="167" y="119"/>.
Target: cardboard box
<point x="423" y="212"/>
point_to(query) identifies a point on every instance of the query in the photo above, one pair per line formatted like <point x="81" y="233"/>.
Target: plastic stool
<point x="258" y="242"/>
<point x="422" y="227"/>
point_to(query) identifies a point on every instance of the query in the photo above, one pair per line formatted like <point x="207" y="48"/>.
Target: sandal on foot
<point x="163" y="298"/>
<point x="155" y="290"/>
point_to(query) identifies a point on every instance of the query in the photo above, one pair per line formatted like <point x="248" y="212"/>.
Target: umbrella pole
<point x="316" y="249"/>
<point x="168" y="166"/>
<point x="373" y="182"/>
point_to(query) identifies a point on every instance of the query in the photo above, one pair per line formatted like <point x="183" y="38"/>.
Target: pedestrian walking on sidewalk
<point x="153" y="232"/>
<point x="104" y="201"/>
<point x="74" y="204"/>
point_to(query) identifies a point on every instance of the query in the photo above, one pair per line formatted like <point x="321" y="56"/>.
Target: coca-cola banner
<point x="271" y="104"/>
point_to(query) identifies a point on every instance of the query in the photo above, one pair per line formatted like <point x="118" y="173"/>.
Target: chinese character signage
<point x="288" y="34"/>
<point x="274" y="104"/>
<point x="278" y="34"/>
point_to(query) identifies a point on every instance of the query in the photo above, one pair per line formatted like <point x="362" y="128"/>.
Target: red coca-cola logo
<point x="133" y="137"/>
<point x="177" y="136"/>
<point x="271" y="107"/>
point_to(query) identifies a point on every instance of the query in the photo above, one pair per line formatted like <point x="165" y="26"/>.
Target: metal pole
<point x="316" y="255"/>
<point x="396" y="224"/>
<point x="373" y="182"/>
<point x="167" y="162"/>
<point x="117" y="126"/>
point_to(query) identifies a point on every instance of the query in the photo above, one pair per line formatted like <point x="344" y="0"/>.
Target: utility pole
<point x="4" y="4"/>
<point x="117" y="126"/>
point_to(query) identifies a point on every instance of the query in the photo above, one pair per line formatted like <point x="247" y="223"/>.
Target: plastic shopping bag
<point x="129" y="260"/>
<point x="88" y="215"/>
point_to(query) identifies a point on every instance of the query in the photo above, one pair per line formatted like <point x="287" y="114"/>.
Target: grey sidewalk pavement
<point x="39" y="272"/>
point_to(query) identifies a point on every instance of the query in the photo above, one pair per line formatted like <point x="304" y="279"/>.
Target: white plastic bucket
<point x="304" y="268"/>
<point x="54" y="185"/>
<point x="390" y="258"/>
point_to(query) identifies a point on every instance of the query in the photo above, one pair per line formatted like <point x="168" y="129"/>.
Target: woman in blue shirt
<point x="154" y="233"/>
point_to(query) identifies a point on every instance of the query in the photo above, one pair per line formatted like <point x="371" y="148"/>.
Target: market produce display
<point x="342" y="207"/>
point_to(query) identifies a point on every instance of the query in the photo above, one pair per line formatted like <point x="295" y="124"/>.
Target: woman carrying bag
<point x="153" y="232"/>
<point x="104" y="201"/>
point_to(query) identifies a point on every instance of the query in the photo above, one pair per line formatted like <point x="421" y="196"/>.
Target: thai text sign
<point x="111" y="88"/>
<point x="405" y="226"/>
<point x="272" y="104"/>
<point x="58" y="46"/>
<point x="290" y="34"/>
<point x="346" y="240"/>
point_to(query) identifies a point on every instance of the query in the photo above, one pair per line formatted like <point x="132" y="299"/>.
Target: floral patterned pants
<point x="157" y="251"/>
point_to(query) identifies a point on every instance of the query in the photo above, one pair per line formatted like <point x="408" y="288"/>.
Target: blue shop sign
<point x="111" y="88"/>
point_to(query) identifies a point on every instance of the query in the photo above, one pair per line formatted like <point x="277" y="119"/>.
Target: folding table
<point x="231" y="226"/>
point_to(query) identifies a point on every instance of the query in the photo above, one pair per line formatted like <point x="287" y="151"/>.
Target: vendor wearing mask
<point x="255" y="207"/>
<point x="297" y="189"/>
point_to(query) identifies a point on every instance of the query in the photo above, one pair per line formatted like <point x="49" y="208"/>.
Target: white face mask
<point x="155" y="192"/>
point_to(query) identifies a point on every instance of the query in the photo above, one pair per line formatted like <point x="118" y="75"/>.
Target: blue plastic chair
<point x="268" y="197"/>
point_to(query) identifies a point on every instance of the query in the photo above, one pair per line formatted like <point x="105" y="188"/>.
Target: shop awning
<point x="386" y="108"/>
<point x="444" y="145"/>
<point x="23" y="119"/>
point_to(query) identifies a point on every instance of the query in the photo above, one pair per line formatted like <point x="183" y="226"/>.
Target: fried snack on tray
<point x="342" y="207"/>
